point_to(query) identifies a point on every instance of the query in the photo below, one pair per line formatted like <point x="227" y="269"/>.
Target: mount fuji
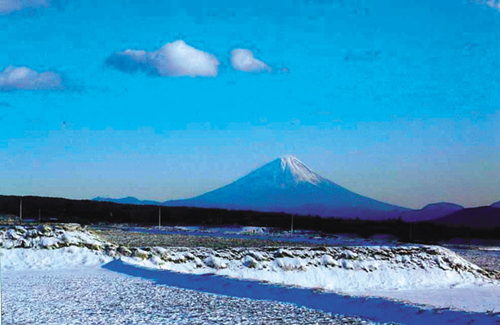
<point x="287" y="185"/>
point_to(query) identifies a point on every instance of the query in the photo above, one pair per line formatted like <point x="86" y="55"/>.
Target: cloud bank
<point x="13" y="78"/>
<point x="8" y="6"/>
<point x="243" y="60"/>
<point x="174" y="59"/>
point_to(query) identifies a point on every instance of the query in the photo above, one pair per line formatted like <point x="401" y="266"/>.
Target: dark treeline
<point x="93" y="212"/>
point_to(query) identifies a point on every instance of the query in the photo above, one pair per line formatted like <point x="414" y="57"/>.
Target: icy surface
<point x="97" y="296"/>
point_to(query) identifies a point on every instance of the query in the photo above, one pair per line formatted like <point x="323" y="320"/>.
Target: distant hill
<point x="481" y="217"/>
<point x="431" y="212"/>
<point x="496" y="205"/>
<point x="126" y="200"/>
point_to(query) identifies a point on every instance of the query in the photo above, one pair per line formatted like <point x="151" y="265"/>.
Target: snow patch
<point x="299" y="171"/>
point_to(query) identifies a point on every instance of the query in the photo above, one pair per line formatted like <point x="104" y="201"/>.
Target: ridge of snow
<point x="52" y="247"/>
<point x="270" y="259"/>
<point x="365" y="271"/>
<point x="299" y="171"/>
<point x="50" y="237"/>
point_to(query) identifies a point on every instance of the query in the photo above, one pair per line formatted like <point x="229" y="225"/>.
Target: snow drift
<point x="52" y="247"/>
<point x="353" y="269"/>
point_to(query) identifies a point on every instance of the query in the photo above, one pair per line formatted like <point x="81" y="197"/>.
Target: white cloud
<point x="243" y="60"/>
<point x="13" y="78"/>
<point x="8" y="6"/>
<point x="174" y="59"/>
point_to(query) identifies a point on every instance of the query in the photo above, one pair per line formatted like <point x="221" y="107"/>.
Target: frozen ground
<point x="97" y="296"/>
<point x="428" y="275"/>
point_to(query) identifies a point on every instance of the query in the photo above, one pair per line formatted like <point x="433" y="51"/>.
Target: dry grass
<point x="138" y="239"/>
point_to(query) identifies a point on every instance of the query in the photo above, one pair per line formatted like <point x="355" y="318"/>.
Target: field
<point x="102" y="297"/>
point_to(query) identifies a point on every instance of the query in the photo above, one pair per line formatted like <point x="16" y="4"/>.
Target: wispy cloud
<point x="14" y="78"/>
<point x="243" y="60"/>
<point x="495" y="4"/>
<point x="174" y="59"/>
<point x="8" y="6"/>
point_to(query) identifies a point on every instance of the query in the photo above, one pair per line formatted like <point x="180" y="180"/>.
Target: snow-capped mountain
<point x="287" y="185"/>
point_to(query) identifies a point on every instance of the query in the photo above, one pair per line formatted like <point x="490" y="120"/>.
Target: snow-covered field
<point x="97" y="296"/>
<point x="64" y="256"/>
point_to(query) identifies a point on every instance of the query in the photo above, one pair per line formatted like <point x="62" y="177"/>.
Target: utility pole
<point x="21" y="209"/>
<point x="159" y="220"/>
<point x="1" y="253"/>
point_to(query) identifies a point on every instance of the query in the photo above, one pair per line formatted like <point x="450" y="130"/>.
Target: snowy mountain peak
<point x="287" y="185"/>
<point x="299" y="171"/>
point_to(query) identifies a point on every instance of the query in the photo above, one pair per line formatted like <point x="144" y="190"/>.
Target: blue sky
<point x="395" y="100"/>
